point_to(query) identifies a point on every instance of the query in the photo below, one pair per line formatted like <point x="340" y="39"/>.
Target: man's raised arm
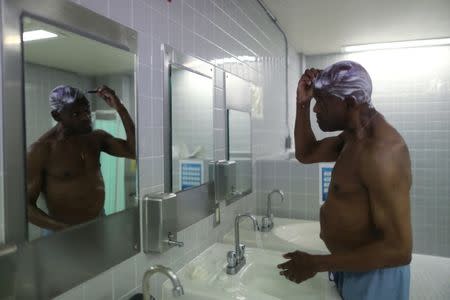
<point x="307" y="149"/>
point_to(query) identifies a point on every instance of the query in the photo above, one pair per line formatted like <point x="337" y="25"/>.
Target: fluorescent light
<point x="247" y="58"/>
<point x="396" y="45"/>
<point x="37" y="35"/>
<point x="225" y="60"/>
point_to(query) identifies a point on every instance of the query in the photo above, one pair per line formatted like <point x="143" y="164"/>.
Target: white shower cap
<point x="63" y="95"/>
<point x="346" y="78"/>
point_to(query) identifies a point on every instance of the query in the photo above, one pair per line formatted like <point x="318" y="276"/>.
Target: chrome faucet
<point x="267" y="220"/>
<point x="236" y="257"/>
<point x="177" y="287"/>
<point x="172" y="242"/>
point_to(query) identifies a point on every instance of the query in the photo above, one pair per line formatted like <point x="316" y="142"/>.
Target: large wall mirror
<point x="189" y="120"/>
<point x="71" y="189"/>
<point x="80" y="139"/>
<point x="188" y="135"/>
<point x="192" y="127"/>
<point x="239" y="96"/>
<point x="240" y="148"/>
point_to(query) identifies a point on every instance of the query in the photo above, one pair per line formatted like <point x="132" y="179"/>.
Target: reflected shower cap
<point x="346" y="78"/>
<point x="62" y="95"/>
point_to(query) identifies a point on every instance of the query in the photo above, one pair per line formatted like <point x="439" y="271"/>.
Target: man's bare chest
<point x="346" y="179"/>
<point x="68" y="160"/>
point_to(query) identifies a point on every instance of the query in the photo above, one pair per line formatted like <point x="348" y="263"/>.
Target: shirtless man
<point x="365" y="222"/>
<point x="64" y="163"/>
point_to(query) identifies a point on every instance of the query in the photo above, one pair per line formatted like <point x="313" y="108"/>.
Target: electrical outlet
<point x="217" y="215"/>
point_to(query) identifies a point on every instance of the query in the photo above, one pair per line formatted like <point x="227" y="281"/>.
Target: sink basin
<point x="287" y="235"/>
<point x="205" y="278"/>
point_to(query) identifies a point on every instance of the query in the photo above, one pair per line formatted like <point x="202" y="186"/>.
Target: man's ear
<point x="56" y="115"/>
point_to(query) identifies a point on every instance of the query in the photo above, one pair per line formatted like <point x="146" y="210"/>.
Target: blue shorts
<point x="385" y="284"/>
<point x="49" y="232"/>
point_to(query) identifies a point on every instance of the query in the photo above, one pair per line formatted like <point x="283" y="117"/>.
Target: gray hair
<point x="346" y="79"/>
<point x="62" y="95"/>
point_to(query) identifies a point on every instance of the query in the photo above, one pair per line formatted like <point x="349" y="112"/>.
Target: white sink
<point x="287" y="235"/>
<point x="429" y="274"/>
<point x="205" y="278"/>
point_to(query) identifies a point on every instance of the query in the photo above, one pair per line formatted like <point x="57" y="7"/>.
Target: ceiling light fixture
<point x="37" y="35"/>
<point x="397" y="45"/>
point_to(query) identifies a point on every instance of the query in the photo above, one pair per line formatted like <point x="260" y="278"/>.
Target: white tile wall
<point x="295" y="66"/>
<point x="210" y="30"/>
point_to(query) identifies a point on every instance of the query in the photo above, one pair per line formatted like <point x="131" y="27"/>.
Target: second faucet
<point x="236" y="258"/>
<point x="267" y="220"/>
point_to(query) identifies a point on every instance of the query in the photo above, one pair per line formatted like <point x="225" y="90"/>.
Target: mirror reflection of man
<point x="366" y="221"/>
<point x="64" y="163"/>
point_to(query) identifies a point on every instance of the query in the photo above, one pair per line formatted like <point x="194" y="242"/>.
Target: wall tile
<point x="101" y="287"/>
<point x="99" y="6"/>
<point x="120" y="11"/>
<point x="124" y="277"/>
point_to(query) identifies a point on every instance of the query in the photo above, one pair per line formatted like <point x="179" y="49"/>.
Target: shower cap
<point x="62" y="95"/>
<point x="346" y="78"/>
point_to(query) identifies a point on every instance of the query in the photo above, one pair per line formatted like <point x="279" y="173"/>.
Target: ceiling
<point x="324" y="26"/>
<point x="75" y="53"/>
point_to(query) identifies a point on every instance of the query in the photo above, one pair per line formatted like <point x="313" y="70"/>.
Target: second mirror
<point x="191" y="113"/>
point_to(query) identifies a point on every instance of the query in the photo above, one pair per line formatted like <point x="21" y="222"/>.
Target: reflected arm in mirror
<point x="36" y="158"/>
<point x="110" y="144"/>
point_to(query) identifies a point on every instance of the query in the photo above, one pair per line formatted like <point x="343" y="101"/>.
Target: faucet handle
<point x="241" y="250"/>
<point x="178" y="291"/>
<point x="173" y="242"/>
<point x="265" y="221"/>
<point x="267" y="224"/>
<point x="231" y="258"/>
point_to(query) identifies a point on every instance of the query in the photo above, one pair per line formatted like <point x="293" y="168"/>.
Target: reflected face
<point x="76" y="116"/>
<point x="330" y="110"/>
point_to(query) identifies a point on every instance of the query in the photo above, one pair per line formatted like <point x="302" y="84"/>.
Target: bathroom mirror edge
<point x="195" y="203"/>
<point x="30" y="258"/>
<point x="234" y="101"/>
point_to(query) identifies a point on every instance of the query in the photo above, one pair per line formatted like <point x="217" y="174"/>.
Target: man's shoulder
<point x="44" y="142"/>
<point x="47" y="138"/>
<point x="40" y="148"/>
<point x="384" y="150"/>
<point x="386" y="157"/>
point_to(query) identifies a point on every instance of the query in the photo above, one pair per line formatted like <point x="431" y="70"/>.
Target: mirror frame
<point x="245" y="107"/>
<point x="198" y="202"/>
<point x="227" y="154"/>
<point x="47" y="267"/>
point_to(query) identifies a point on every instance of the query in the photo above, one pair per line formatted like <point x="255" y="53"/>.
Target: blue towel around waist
<point x="48" y="232"/>
<point x="379" y="284"/>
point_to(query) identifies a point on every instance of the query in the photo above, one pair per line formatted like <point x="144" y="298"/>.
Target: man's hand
<point x="305" y="86"/>
<point x="299" y="268"/>
<point x="109" y="96"/>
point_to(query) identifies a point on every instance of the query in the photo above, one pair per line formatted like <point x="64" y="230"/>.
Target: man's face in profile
<point x="330" y="111"/>
<point x="76" y="116"/>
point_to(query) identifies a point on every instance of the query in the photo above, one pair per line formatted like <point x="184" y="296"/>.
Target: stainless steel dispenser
<point x="225" y="179"/>
<point x="159" y="222"/>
